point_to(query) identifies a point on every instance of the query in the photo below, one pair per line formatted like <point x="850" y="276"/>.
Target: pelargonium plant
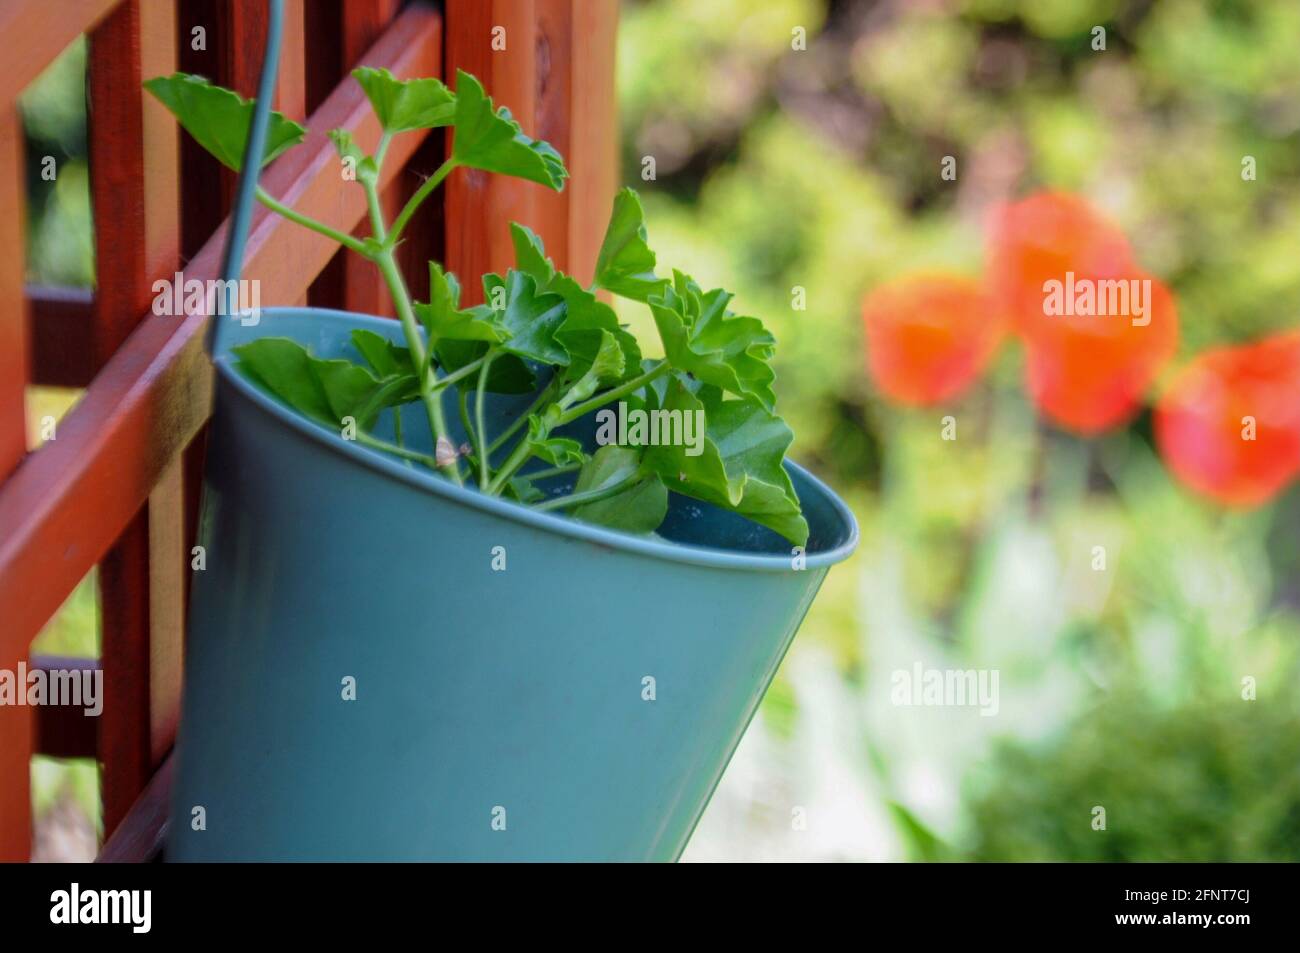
<point x="539" y="332"/>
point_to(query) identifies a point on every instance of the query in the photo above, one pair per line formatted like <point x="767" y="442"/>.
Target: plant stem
<point x="372" y="190"/>
<point x="591" y="496"/>
<point x="320" y="228"/>
<point x="518" y="457"/>
<point x="382" y="256"/>
<point x="376" y="213"/>
<point x="406" y="314"/>
<point x="382" y="149"/>
<point x="522" y="419"/>
<point x="522" y="451"/>
<point x="374" y="442"/>
<point x="600" y="400"/>
<point x="422" y="193"/>
<point x="554" y="471"/>
<point x="485" y="469"/>
<point x="459" y="374"/>
<point x="462" y="405"/>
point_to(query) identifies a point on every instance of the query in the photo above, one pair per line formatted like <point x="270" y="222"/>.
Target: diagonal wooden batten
<point x="141" y="836"/>
<point x="67" y="502"/>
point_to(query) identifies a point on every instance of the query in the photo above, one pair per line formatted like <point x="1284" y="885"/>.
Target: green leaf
<point x="585" y="315"/>
<point x="324" y="390"/>
<point x="283" y="367"/>
<point x="384" y="357"/>
<point x="507" y="375"/>
<point x="587" y="320"/>
<point x="626" y="265"/>
<point x="752" y="440"/>
<point x="638" y="509"/>
<point x="924" y="845"/>
<point x="739" y="467"/>
<point x="392" y="392"/>
<point x="530" y="317"/>
<point x="605" y="369"/>
<point x="558" y="451"/>
<point x="700" y="336"/>
<point x="491" y="140"/>
<point x="459" y="337"/>
<point x="362" y="165"/>
<point x="701" y="475"/>
<point x="219" y="119"/>
<point x="403" y="105"/>
<point x="530" y="255"/>
<point x="522" y="489"/>
<point x="443" y="318"/>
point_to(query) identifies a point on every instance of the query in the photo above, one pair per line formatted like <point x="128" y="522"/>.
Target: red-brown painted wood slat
<point x="133" y="168"/>
<point x="553" y="58"/>
<point x="479" y="205"/>
<point x="14" y="372"/>
<point x="15" y="720"/>
<point x="66" y="504"/>
<point x="591" y="151"/>
<point x="59" y="321"/>
<point x="65" y="731"/>
<point x="206" y="47"/>
<point x="244" y="44"/>
<point x="139" y="838"/>
<point x="134" y="195"/>
<point x="363" y="287"/>
<point x="556" y="73"/>
<point x="34" y="32"/>
<point x="350" y="28"/>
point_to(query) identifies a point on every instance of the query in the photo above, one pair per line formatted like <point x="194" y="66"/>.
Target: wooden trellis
<point x="118" y="488"/>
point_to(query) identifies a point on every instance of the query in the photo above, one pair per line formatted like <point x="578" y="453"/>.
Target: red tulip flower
<point x="1229" y="424"/>
<point x="1096" y="329"/>
<point x="929" y="336"/>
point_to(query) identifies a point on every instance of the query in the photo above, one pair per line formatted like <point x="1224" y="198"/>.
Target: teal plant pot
<point x="580" y="703"/>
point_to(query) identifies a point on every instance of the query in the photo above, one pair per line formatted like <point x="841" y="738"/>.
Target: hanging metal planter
<point x="554" y="690"/>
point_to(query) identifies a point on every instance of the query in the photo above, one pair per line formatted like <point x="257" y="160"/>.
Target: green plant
<point x="1214" y="780"/>
<point x="539" y="332"/>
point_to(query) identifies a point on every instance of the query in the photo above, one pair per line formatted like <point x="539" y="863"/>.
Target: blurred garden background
<point x="779" y="168"/>
<point x="798" y="148"/>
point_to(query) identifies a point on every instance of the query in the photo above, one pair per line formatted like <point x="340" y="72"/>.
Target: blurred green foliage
<point x="1200" y="783"/>
<point x="779" y="169"/>
<point x="60" y="243"/>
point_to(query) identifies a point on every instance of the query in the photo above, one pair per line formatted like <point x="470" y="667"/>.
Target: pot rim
<point x="656" y="547"/>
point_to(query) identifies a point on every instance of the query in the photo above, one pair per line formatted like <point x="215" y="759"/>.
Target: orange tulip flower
<point x="1229" y="424"/>
<point x="1088" y="373"/>
<point x="1096" y="329"/>
<point x="1040" y="239"/>
<point x="929" y="336"/>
